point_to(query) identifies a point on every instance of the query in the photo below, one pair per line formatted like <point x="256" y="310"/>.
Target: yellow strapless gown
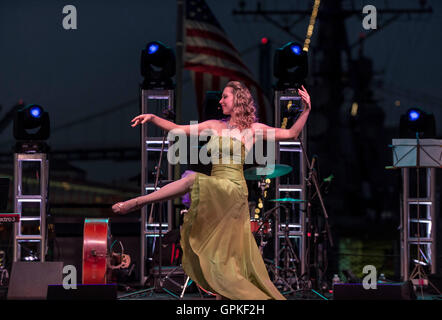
<point x="219" y="251"/>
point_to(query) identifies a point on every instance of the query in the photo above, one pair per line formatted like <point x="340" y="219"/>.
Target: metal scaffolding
<point x="154" y="102"/>
<point x="295" y="188"/>
<point x="425" y="222"/>
<point x="418" y="210"/>
<point x="30" y="231"/>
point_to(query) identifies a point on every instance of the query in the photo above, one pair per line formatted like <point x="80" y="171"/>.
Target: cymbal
<point x="270" y="171"/>
<point x="287" y="200"/>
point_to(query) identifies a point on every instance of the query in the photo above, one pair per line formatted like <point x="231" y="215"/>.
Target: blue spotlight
<point x="296" y="49"/>
<point x="157" y="65"/>
<point x="152" y="48"/>
<point x="413" y="115"/>
<point x="35" y="111"/>
<point x="416" y="121"/>
<point x="31" y="123"/>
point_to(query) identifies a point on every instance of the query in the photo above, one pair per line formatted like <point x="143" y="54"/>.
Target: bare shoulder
<point x="258" y="126"/>
<point x="212" y="124"/>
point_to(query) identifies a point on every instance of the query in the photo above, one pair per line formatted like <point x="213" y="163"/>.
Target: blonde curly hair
<point x="243" y="105"/>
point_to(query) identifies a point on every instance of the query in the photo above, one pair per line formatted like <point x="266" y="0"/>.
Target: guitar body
<point x="96" y="238"/>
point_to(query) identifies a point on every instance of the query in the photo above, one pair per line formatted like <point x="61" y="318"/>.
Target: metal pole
<point x="181" y="9"/>
<point x="277" y="160"/>
<point x="405" y="226"/>
<point x="432" y="173"/>
<point x="43" y="192"/>
<point x="144" y="97"/>
<point x="179" y="58"/>
<point x="17" y="192"/>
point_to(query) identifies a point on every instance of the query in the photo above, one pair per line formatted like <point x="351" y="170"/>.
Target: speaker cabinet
<point x="30" y="280"/>
<point x="84" y="292"/>
<point x="356" y="291"/>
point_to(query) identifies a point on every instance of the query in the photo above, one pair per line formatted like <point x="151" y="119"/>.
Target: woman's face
<point x="226" y="101"/>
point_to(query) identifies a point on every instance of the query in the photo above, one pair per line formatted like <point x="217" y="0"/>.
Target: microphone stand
<point x="168" y="114"/>
<point x="312" y="179"/>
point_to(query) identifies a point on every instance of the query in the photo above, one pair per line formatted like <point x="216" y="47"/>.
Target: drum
<point x="96" y="240"/>
<point x="256" y="224"/>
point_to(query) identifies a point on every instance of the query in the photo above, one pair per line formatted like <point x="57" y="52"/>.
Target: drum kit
<point x="261" y="225"/>
<point x="263" y="175"/>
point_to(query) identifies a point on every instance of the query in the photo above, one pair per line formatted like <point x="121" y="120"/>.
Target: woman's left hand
<point x="305" y="98"/>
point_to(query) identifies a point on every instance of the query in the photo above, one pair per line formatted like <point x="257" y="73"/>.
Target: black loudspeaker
<point x="30" y="280"/>
<point x="4" y="193"/>
<point x="356" y="291"/>
<point x="84" y="292"/>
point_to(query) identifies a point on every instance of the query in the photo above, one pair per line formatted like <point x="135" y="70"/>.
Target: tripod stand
<point x="286" y="277"/>
<point x="289" y="271"/>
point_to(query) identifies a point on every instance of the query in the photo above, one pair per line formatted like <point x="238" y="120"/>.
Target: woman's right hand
<point x="142" y="118"/>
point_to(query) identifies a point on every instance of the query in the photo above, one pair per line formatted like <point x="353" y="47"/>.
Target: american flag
<point x="212" y="59"/>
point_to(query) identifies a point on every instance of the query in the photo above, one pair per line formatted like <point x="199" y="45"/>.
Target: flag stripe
<point x="200" y="42"/>
<point x="209" y="35"/>
<point x="201" y="59"/>
<point x="215" y="53"/>
<point x="219" y="71"/>
<point x="207" y="26"/>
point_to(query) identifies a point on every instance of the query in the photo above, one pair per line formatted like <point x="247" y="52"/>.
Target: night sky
<point x="75" y="74"/>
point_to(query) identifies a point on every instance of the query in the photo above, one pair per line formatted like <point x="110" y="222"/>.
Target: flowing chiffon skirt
<point x="219" y="251"/>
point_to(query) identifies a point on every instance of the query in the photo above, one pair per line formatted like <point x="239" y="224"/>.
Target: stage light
<point x="290" y="66"/>
<point x="296" y="49"/>
<point x="413" y="115"/>
<point x="35" y="111"/>
<point x="31" y="123"/>
<point x="416" y="122"/>
<point x="152" y="48"/>
<point x="264" y="40"/>
<point x="157" y="66"/>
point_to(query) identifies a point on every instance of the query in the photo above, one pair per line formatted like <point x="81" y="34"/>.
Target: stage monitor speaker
<point x="84" y="292"/>
<point x="30" y="280"/>
<point x="384" y="291"/>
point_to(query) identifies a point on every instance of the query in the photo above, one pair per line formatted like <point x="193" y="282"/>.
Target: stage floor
<point x="156" y="294"/>
<point x="150" y="294"/>
<point x="162" y="294"/>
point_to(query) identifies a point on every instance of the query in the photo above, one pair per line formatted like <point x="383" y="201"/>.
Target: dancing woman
<point x="219" y="251"/>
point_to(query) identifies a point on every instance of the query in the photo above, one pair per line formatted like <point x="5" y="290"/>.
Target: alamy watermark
<point x="370" y="21"/>
<point x="370" y="280"/>
<point x="220" y="149"/>
<point x="70" y="280"/>
<point x="70" y="20"/>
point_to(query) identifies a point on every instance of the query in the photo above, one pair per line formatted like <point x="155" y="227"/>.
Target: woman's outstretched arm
<point x="169" y="125"/>
<point x="296" y="128"/>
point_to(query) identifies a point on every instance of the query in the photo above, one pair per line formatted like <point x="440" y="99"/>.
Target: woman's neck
<point x="232" y="121"/>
